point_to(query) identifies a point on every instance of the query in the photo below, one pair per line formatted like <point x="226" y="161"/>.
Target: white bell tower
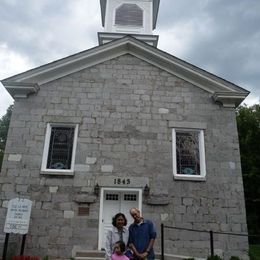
<point x="123" y="17"/>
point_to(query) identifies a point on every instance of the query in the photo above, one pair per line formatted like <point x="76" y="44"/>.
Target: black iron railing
<point x="210" y="232"/>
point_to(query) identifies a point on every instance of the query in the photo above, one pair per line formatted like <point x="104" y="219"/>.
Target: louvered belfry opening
<point x="132" y="17"/>
<point x="129" y="15"/>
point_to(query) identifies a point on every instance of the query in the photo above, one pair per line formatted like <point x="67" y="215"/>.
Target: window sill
<point x="57" y="172"/>
<point x="189" y="178"/>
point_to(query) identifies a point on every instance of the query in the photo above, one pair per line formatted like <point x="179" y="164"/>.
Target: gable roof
<point x="223" y="91"/>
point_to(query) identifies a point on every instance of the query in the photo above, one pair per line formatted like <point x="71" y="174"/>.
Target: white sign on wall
<point x="18" y="216"/>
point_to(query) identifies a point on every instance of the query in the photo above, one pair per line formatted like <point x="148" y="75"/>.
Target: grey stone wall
<point x="125" y="108"/>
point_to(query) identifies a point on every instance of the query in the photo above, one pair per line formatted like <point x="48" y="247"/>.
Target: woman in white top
<point x="119" y="232"/>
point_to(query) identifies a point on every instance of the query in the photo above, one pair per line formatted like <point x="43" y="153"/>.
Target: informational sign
<point x="18" y="216"/>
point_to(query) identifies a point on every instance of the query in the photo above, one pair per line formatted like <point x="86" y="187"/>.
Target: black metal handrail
<point x="211" y="236"/>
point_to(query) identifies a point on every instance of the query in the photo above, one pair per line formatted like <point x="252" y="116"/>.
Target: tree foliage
<point x="248" y="122"/>
<point x="4" y="125"/>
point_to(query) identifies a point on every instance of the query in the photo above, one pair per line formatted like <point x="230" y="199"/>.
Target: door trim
<point x="103" y="189"/>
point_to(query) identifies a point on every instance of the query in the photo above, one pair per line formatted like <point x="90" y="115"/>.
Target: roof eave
<point x="228" y="99"/>
<point x="222" y="91"/>
<point x="20" y="90"/>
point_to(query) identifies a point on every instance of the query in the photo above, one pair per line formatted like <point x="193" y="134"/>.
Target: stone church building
<point x="123" y="125"/>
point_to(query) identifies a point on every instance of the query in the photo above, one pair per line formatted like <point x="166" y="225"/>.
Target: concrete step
<point x="100" y="255"/>
<point x="90" y="255"/>
<point x="89" y="258"/>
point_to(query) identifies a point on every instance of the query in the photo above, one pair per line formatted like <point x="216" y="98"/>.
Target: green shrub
<point x="254" y="252"/>
<point x="251" y="256"/>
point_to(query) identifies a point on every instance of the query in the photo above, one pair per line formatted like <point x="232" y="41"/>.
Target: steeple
<point x="135" y="17"/>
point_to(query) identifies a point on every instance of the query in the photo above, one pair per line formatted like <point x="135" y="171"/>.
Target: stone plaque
<point x="116" y="181"/>
<point x="18" y="216"/>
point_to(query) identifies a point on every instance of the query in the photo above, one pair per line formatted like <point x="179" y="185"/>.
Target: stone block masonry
<point x="125" y="109"/>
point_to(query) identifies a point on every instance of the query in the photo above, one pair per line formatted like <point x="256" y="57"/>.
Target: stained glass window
<point x="60" y="148"/>
<point x="188" y="154"/>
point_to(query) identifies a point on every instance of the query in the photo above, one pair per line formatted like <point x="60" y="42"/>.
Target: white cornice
<point x="228" y="99"/>
<point x="116" y="48"/>
<point x="105" y="37"/>
<point x="68" y="65"/>
<point x="20" y="90"/>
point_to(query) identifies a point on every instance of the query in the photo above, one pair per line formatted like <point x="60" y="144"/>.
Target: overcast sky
<point x="220" y="36"/>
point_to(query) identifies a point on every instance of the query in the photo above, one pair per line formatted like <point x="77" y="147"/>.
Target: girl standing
<point x="119" y="249"/>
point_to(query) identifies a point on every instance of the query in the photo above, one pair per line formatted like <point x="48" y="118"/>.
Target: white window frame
<point x="202" y="176"/>
<point x="70" y="171"/>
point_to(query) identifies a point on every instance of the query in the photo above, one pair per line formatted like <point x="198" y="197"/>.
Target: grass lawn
<point x="255" y="251"/>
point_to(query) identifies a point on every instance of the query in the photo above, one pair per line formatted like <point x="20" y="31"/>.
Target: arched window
<point x="129" y="14"/>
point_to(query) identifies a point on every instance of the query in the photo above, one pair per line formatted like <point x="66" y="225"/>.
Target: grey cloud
<point x="42" y="30"/>
<point x="174" y="12"/>
<point x="224" y="37"/>
<point x="229" y="47"/>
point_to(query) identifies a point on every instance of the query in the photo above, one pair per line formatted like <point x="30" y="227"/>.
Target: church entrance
<point x="113" y="201"/>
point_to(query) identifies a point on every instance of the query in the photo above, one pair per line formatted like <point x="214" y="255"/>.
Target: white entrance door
<point x="115" y="201"/>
